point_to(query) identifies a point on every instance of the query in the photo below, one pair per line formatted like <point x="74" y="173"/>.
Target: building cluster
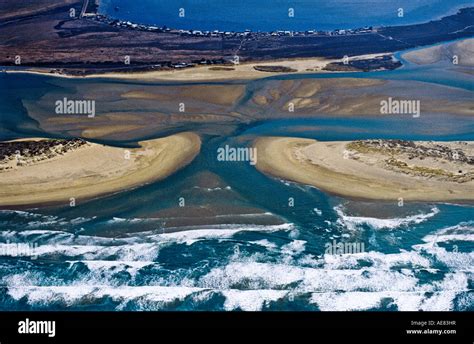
<point x="226" y="34"/>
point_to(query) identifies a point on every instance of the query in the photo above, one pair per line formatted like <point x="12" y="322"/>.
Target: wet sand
<point x="366" y="173"/>
<point x="93" y="170"/>
<point x="464" y="50"/>
<point x="217" y="109"/>
<point x="241" y="71"/>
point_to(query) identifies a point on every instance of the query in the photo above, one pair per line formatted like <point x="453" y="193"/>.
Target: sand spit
<point x="374" y="169"/>
<point x="54" y="171"/>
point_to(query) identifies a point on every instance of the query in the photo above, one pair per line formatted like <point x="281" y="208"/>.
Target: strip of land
<point x="373" y="169"/>
<point x="241" y="71"/>
<point x="48" y="38"/>
<point x="41" y="171"/>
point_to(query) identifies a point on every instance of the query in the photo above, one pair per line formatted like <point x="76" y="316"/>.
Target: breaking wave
<point x="255" y="282"/>
<point x="354" y="222"/>
<point x="235" y="267"/>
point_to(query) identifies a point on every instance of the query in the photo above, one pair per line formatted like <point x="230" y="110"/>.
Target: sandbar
<point x="82" y="170"/>
<point x="387" y="170"/>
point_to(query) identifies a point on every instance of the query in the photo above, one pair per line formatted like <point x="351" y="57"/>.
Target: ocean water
<point x="268" y="15"/>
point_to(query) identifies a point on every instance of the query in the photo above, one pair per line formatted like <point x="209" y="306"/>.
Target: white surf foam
<point x="463" y="231"/>
<point x="335" y="283"/>
<point x="258" y="275"/>
<point x="318" y="211"/>
<point x="142" y="246"/>
<point x="250" y="300"/>
<point x="293" y="248"/>
<point x="219" y="232"/>
<point x="354" y="222"/>
<point x="104" y="268"/>
<point x="76" y="295"/>
<point x="404" y="301"/>
<point x="265" y="243"/>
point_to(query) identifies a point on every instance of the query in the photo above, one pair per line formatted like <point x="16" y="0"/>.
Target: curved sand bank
<point x="368" y="171"/>
<point x="89" y="170"/>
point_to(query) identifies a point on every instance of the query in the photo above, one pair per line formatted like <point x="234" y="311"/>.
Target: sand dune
<point x="363" y="170"/>
<point x="90" y="170"/>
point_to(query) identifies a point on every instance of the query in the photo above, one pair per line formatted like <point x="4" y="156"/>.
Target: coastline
<point x="337" y="169"/>
<point x="92" y="170"/>
<point x="97" y="11"/>
<point x="241" y="71"/>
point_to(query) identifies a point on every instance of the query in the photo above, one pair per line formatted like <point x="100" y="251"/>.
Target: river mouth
<point x="243" y="240"/>
<point x="242" y="245"/>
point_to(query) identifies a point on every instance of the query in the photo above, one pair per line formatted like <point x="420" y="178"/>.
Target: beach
<point x="241" y="71"/>
<point x="229" y="71"/>
<point x="462" y="49"/>
<point x="87" y="170"/>
<point x="370" y="170"/>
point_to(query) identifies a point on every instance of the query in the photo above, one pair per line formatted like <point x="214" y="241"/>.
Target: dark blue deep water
<point x="269" y="15"/>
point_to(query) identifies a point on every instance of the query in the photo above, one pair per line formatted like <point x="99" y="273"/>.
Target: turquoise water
<point x="117" y="253"/>
<point x="268" y="15"/>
